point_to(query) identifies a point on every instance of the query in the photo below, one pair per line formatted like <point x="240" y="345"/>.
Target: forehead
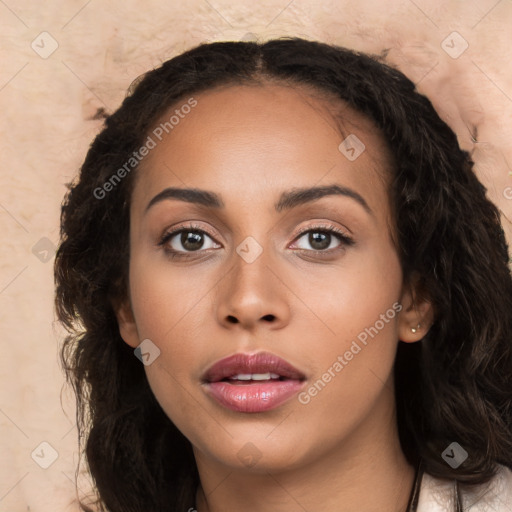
<point x="249" y="142"/>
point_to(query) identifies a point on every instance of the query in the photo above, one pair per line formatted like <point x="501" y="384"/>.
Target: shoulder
<point x="438" y="495"/>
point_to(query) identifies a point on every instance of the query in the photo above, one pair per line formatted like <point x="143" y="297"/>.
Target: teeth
<point x="242" y="376"/>
<point x="255" y="376"/>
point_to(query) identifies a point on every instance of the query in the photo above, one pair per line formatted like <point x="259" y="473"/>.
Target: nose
<point x="253" y="294"/>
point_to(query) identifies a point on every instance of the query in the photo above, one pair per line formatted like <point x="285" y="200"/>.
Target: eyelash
<point x="343" y="238"/>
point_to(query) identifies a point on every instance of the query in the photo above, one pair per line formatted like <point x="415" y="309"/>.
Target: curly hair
<point x="453" y="385"/>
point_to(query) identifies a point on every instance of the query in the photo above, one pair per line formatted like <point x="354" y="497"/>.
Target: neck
<point x="366" y="472"/>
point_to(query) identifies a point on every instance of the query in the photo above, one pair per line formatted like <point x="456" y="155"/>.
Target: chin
<point x="257" y="455"/>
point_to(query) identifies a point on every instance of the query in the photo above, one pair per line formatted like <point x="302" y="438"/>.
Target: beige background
<point x="47" y="101"/>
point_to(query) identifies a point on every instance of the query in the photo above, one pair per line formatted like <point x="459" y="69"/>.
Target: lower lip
<point x="254" y="397"/>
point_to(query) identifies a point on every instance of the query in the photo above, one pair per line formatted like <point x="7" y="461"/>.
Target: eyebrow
<point x="288" y="200"/>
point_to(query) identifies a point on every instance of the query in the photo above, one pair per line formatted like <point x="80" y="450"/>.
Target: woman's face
<point x="252" y="278"/>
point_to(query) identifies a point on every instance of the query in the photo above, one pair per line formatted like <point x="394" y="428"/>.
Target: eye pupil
<point x="191" y="240"/>
<point x="317" y="237"/>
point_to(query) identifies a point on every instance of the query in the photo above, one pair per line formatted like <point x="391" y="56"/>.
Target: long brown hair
<point x="454" y="385"/>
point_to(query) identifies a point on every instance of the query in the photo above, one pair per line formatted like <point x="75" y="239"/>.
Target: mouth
<point x="252" y="382"/>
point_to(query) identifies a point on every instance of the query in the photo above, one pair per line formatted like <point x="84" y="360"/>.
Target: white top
<point x="438" y="495"/>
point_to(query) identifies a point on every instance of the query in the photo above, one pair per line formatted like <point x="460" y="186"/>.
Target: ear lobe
<point x="416" y="316"/>
<point x="126" y="322"/>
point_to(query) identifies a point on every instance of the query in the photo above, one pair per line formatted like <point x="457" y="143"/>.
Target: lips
<point x="252" y="382"/>
<point x="252" y="364"/>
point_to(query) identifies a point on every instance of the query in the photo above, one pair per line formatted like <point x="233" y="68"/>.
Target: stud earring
<point x="415" y="329"/>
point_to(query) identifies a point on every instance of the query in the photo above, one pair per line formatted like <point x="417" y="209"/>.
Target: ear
<point x="417" y="314"/>
<point x="126" y="322"/>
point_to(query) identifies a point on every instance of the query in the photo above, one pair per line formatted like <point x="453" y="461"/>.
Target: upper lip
<point x="263" y="362"/>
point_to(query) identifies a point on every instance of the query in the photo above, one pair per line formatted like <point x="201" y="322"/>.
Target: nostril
<point x="234" y="320"/>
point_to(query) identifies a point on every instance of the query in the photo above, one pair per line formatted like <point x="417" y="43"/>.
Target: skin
<point x="339" y="452"/>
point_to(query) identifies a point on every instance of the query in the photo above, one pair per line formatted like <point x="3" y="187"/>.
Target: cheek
<point x="163" y="298"/>
<point x="353" y="297"/>
<point x="168" y="312"/>
<point x="356" y="335"/>
<point x="172" y="307"/>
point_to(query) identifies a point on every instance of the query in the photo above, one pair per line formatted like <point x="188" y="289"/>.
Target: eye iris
<point x="191" y="240"/>
<point x="316" y="237"/>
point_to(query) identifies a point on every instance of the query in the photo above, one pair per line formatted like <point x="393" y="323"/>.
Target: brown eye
<point x="319" y="241"/>
<point x="323" y="239"/>
<point x="187" y="240"/>
<point x="191" y="240"/>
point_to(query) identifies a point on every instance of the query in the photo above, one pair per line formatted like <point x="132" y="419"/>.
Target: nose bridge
<point x="251" y="291"/>
<point x="250" y="274"/>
